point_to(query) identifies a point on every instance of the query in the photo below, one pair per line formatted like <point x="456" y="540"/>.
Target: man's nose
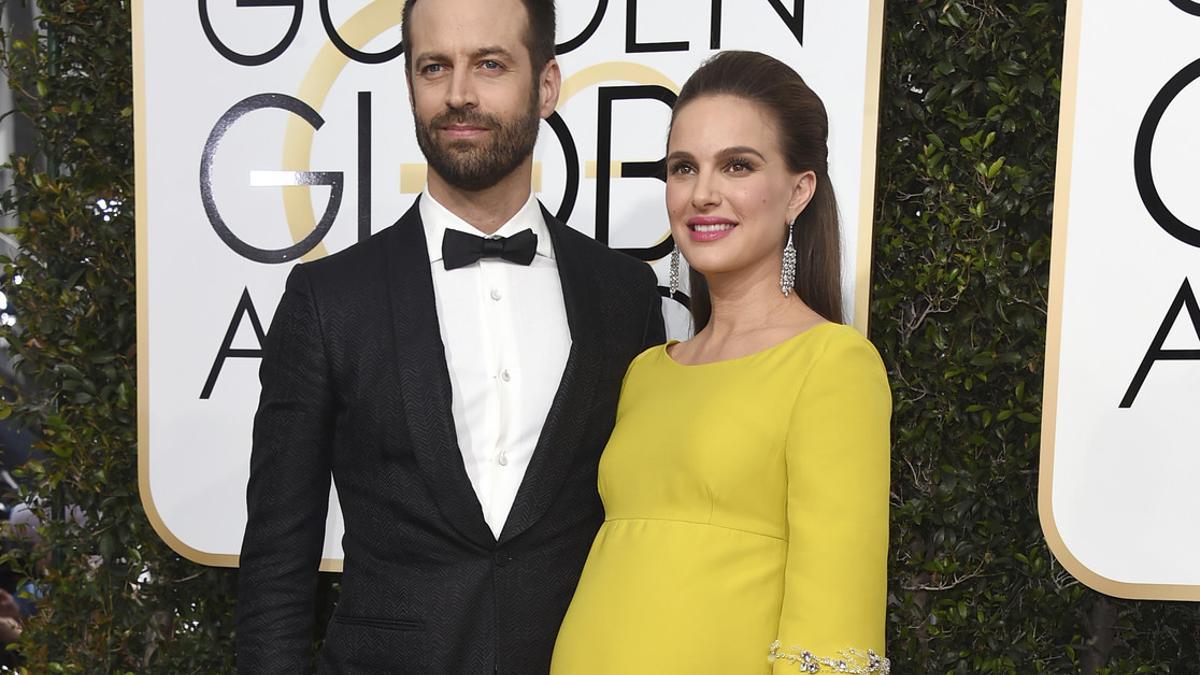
<point x="462" y="90"/>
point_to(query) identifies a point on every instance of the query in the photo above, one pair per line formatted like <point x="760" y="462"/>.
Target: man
<point x="457" y="374"/>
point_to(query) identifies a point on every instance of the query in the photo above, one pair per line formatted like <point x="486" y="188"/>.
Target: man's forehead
<point x="467" y="26"/>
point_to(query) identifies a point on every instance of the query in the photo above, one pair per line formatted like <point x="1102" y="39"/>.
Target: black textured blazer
<point x="355" y="386"/>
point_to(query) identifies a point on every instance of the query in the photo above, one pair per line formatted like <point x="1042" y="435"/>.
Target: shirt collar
<point x="437" y="219"/>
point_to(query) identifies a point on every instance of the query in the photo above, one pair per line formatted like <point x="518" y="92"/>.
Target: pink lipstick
<point x="709" y="228"/>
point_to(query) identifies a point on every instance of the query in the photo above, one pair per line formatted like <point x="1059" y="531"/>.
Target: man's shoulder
<point x="362" y="261"/>
<point x="612" y="261"/>
<point x="352" y="258"/>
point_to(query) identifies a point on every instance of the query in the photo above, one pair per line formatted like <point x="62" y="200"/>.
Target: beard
<point x="472" y="166"/>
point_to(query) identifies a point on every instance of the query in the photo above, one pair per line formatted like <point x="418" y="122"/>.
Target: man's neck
<point x="485" y="210"/>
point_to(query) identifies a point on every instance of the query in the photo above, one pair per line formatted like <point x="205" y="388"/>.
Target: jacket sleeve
<point x="288" y="493"/>
<point x="655" y="332"/>
<point x="838" y="468"/>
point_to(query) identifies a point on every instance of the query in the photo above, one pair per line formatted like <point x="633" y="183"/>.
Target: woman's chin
<point x="711" y="265"/>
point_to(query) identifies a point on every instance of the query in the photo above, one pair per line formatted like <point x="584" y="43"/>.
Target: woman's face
<point x="730" y="194"/>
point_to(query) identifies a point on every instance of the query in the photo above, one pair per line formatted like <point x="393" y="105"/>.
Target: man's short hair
<point x="539" y="33"/>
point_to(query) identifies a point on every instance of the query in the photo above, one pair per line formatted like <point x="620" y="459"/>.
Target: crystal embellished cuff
<point x="848" y="661"/>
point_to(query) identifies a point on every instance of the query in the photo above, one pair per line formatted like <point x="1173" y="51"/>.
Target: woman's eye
<point x="738" y="166"/>
<point x="680" y="168"/>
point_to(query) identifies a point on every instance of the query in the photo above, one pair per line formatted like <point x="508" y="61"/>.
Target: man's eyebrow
<point x="494" y="50"/>
<point x="430" y="56"/>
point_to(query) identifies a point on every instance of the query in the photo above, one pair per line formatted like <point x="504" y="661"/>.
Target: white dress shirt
<point x="504" y="327"/>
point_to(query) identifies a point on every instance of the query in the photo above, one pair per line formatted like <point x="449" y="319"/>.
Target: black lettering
<point x="1190" y="6"/>
<point x="680" y="297"/>
<point x="579" y="40"/>
<point x="794" y="20"/>
<point x="1185" y="298"/>
<point x="364" y="165"/>
<point x="1143" y="173"/>
<point x="345" y="48"/>
<point x="632" y="46"/>
<point x="571" y="157"/>
<point x="604" y="126"/>
<point x="714" y="29"/>
<point x="245" y="307"/>
<point x="331" y="178"/>
<point x="253" y="59"/>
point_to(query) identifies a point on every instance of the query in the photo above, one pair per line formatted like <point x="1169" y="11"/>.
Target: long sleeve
<point x="837" y="456"/>
<point x="288" y="492"/>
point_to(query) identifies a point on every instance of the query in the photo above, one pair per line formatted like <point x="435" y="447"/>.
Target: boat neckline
<point x="765" y="350"/>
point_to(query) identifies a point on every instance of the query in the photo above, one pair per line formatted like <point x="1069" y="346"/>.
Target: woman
<point x="746" y="482"/>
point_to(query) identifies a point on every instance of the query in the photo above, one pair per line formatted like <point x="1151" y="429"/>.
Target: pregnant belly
<point x="673" y="596"/>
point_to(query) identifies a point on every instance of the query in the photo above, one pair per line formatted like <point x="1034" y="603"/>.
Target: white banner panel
<point x="270" y="131"/>
<point x="1120" y="451"/>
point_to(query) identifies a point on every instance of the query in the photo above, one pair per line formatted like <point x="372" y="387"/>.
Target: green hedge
<point x="962" y="248"/>
<point x="118" y="600"/>
<point x="966" y="176"/>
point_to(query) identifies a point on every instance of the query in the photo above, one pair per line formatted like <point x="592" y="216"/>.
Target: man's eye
<point x="432" y="68"/>
<point x="492" y="65"/>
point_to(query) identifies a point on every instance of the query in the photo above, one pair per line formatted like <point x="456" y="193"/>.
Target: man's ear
<point x="549" y="86"/>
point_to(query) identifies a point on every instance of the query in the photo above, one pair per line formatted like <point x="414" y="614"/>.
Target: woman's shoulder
<point x="839" y="350"/>
<point x="839" y="372"/>
<point x="648" y="357"/>
<point x="841" y="338"/>
<point x="832" y="341"/>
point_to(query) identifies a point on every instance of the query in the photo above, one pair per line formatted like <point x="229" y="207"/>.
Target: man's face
<point x="476" y="98"/>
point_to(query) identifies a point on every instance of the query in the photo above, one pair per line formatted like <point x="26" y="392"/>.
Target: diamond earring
<point x="787" y="276"/>
<point x="674" y="271"/>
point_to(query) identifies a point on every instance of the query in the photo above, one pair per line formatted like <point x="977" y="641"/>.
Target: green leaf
<point x="994" y="169"/>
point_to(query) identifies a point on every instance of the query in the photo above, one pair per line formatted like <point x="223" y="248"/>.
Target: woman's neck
<point x="746" y="303"/>
<point x="749" y="314"/>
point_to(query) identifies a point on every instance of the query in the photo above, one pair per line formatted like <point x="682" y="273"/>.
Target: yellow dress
<point x="746" y="502"/>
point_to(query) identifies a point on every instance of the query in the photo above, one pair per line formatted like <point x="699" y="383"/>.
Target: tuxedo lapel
<point x="425" y="379"/>
<point x="566" y="423"/>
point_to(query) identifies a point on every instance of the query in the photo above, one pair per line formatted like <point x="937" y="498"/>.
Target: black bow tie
<point x="460" y="249"/>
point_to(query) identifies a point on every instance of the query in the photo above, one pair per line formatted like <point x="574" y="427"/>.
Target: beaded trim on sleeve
<point x="848" y="661"/>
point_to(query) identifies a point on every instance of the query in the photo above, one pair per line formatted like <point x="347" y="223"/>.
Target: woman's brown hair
<point x="803" y="127"/>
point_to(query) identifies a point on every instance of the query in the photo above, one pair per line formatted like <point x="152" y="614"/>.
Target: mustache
<point x="464" y="117"/>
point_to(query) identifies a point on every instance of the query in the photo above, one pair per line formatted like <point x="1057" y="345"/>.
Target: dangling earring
<point x="787" y="276"/>
<point x="674" y="271"/>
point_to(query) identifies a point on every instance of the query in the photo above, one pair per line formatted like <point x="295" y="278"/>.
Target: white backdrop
<point x="200" y="293"/>
<point x="1120" y="452"/>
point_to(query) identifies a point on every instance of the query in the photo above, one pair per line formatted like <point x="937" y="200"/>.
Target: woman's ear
<point x="804" y="186"/>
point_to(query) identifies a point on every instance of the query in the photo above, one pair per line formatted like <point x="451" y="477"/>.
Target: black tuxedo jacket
<point x="355" y="386"/>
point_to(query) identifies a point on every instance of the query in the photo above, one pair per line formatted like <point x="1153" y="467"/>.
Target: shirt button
<point x="504" y="375"/>
<point x="502" y="459"/>
<point x="496" y="295"/>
